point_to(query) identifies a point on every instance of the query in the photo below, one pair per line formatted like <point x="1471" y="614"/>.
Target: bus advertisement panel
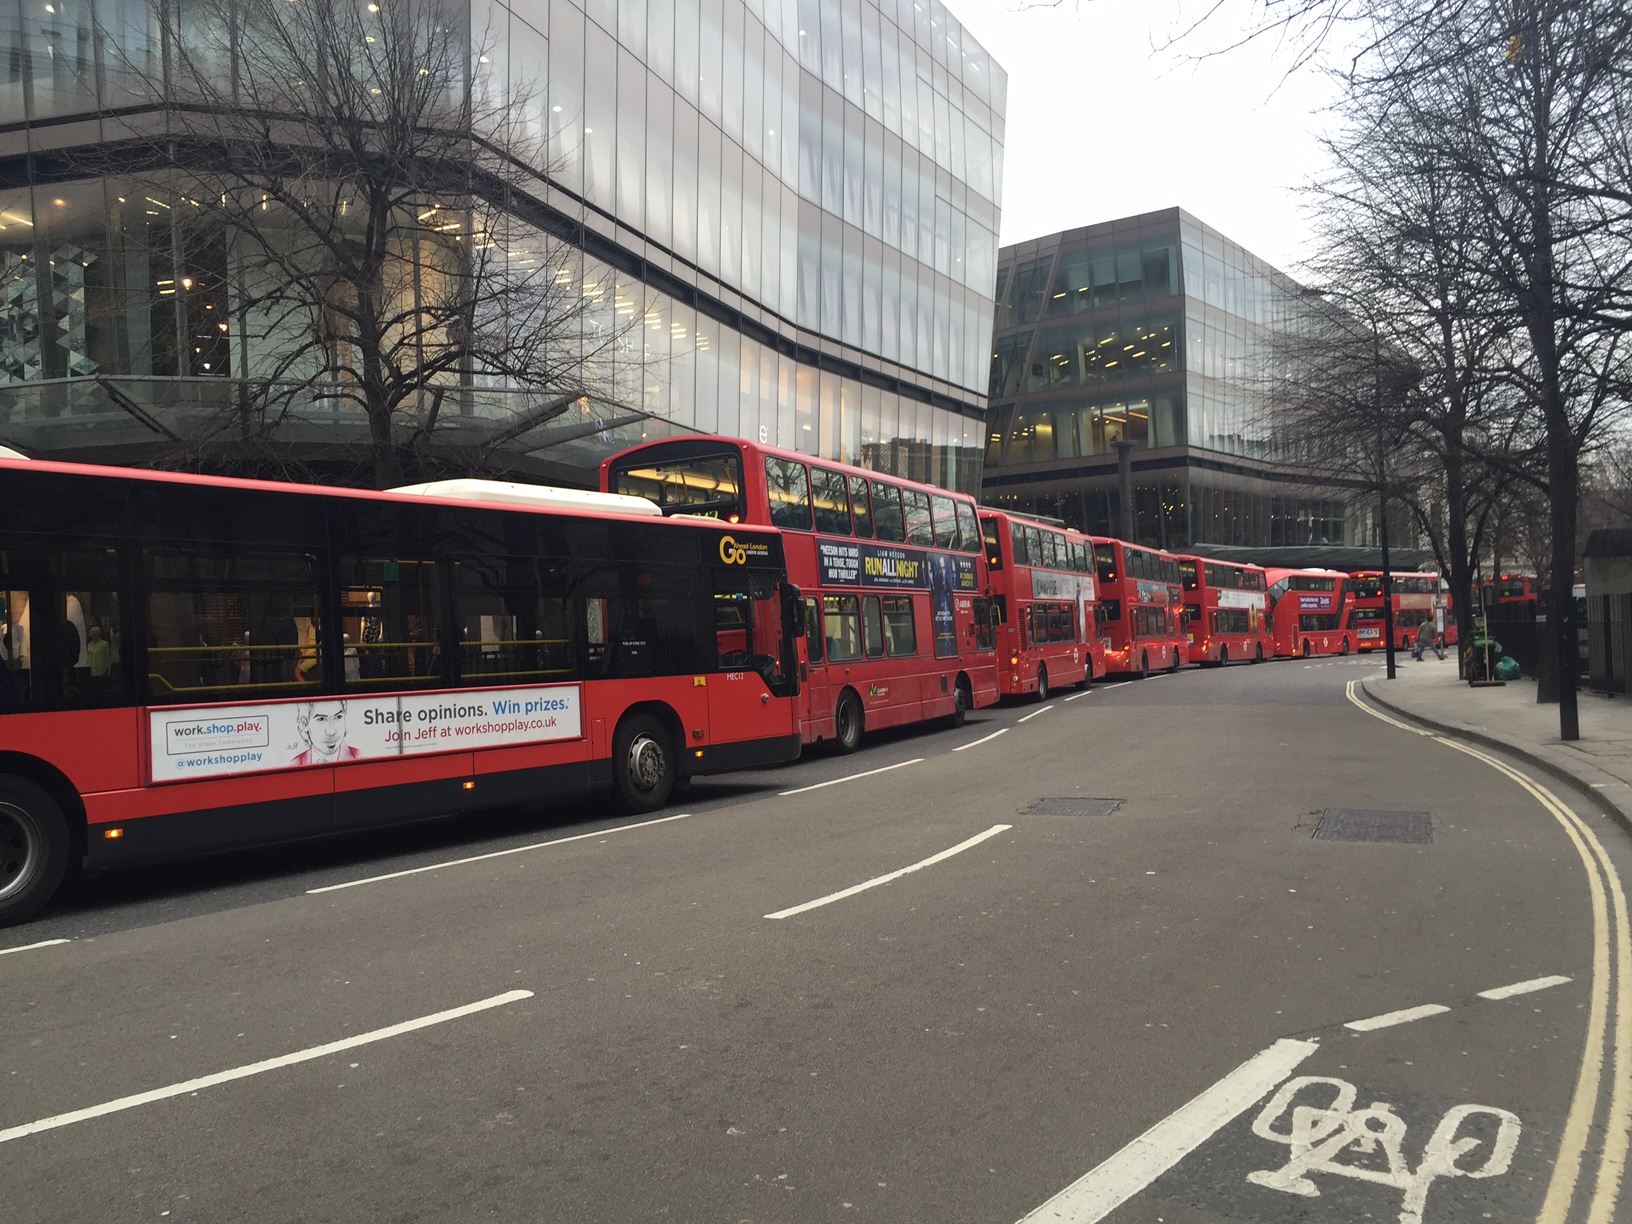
<point x="192" y="664"/>
<point x="1138" y="607"/>
<point x="1226" y="611"/>
<point x="893" y="573"/>
<point x="1307" y="614"/>
<point x="1042" y="579"/>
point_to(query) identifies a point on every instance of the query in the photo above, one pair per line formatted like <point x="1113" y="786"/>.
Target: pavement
<point x="1509" y="719"/>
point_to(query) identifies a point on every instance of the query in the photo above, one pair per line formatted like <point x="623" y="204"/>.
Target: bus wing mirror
<point x="793" y="610"/>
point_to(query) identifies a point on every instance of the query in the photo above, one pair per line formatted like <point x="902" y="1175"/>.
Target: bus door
<point x="755" y="627"/>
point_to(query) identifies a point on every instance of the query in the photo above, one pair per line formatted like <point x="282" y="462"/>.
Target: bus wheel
<point x="34" y="849"/>
<point x="1144" y="666"/>
<point x="847" y="724"/>
<point x="1258" y="652"/>
<point x="1223" y="655"/>
<point x="1042" y="683"/>
<point x="1174" y="666"/>
<point x="1306" y="650"/>
<point x="1345" y="649"/>
<point x="961" y="702"/>
<point x="642" y="763"/>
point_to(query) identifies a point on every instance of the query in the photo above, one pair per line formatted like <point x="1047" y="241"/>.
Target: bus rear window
<point x="1105" y="559"/>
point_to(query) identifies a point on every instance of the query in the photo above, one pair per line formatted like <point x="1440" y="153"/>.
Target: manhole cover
<point x="1072" y="807"/>
<point x="1351" y="825"/>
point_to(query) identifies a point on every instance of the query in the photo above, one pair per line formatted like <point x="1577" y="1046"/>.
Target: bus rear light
<point x="112" y="834"/>
<point x="468" y="785"/>
<point x="1014" y="660"/>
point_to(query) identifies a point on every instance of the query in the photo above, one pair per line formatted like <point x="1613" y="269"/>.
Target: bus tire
<point x="1042" y="684"/>
<point x="847" y="723"/>
<point x="642" y="764"/>
<point x="1144" y="666"/>
<point x="1174" y="666"/>
<point x="1306" y="650"/>
<point x="1345" y="648"/>
<point x="1258" y="652"/>
<point x="1223" y="656"/>
<point x="34" y="848"/>
<point x="962" y="699"/>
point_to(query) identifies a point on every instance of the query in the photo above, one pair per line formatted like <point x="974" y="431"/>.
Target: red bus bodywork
<point x="893" y="571"/>
<point x="1042" y="582"/>
<point x="1418" y="599"/>
<point x="185" y="737"/>
<point x="1306" y="612"/>
<point x="1139" y="606"/>
<point x="1226" y="611"/>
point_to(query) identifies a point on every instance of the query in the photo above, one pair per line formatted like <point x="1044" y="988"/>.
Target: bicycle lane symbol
<point x="1320" y="1135"/>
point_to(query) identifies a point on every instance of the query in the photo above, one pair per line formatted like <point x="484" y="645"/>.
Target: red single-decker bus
<point x="1226" y="611"/>
<point x="1042" y="578"/>
<point x="191" y="664"/>
<point x="894" y="574"/>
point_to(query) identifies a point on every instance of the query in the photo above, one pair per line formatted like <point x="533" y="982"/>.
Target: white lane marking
<point x="1034" y="713"/>
<point x="478" y="858"/>
<point x="1403" y="1016"/>
<point x="894" y="875"/>
<point x="1084" y="693"/>
<point x="851" y="777"/>
<point x="44" y="943"/>
<point x="1103" y="1189"/>
<point x="1523" y="988"/>
<point x="983" y="740"/>
<point x="257" y="1068"/>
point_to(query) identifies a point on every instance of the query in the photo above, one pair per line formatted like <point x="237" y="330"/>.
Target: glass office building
<point x="793" y="204"/>
<point x="1152" y="331"/>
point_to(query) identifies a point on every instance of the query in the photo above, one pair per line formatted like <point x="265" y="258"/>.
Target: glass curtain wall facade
<point x="1150" y="331"/>
<point x="797" y="200"/>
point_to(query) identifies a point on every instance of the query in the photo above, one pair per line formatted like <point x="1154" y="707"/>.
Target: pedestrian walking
<point x="1427" y="639"/>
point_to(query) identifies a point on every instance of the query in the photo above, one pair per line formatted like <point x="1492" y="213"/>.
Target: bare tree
<point x="378" y="206"/>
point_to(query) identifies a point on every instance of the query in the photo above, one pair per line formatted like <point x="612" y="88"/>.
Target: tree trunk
<point x="387" y="460"/>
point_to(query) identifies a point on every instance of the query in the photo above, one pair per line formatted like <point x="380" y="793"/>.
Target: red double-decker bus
<point x="1042" y="582"/>
<point x="1138" y="608"/>
<point x="1418" y="600"/>
<point x="893" y="573"/>
<point x="1306" y="612"/>
<point x="1226" y="611"/>
<point x="1513" y="589"/>
<point x="191" y="664"/>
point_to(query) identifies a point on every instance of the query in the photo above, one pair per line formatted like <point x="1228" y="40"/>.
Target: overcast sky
<point x="1103" y="122"/>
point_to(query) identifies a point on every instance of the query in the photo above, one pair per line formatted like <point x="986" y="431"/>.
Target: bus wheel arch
<point x="849" y="722"/>
<point x="55" y="783"/>
<point x="35" y="847"/>
<point x="645" y="757"/>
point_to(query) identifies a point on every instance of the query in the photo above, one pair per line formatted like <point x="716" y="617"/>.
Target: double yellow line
<point x="1604" y="885"/>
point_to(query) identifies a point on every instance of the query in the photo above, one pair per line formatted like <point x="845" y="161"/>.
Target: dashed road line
<point x="1390" y="1019"/>
<point x="1524" y="988"/>
<point x="1107" y="1186"/>
<point x="1084" y="693"/>
<point x="479" y="858"/>
<point x="850" y="777"/>
<point x="876" y="881"/>
<point x="258" y="1068"/>
<point x="44" y="943"/>
<point x="986" y="739"/>
<point x="1034" y="713"/>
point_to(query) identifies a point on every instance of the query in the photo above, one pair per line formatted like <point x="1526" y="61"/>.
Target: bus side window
<point x="392" y="614"/>
<point x="860" y="507"/>
<point x="900" y="633"/>
<point x="986" y="619"/>
<point x="61" y="636"/>
<point x="789" y="489"/>
<point x="225" y="624"/>
<point x="512" y="615"/>
<point x="873" y="627"/>
<point x="920" y="528"/>
<point x="814" y="637"/>
<point x="1017" y="541"/>
<point x="842" y="627"/>
<point x="887" y="516"/>
<point x="944" y="513"/>
<point x="968" y="529"/>
<point x="832" y="501"/>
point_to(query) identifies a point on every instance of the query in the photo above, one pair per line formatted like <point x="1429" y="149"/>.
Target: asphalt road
<point x="658" y="1037"/>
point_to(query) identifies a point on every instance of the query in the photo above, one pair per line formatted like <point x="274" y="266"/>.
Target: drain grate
<point x="1072" y="807"/>
<point x="1350" y="825"/>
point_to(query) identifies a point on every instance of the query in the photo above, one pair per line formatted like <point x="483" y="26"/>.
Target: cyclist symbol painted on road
<point x="1320" y="1134"/>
